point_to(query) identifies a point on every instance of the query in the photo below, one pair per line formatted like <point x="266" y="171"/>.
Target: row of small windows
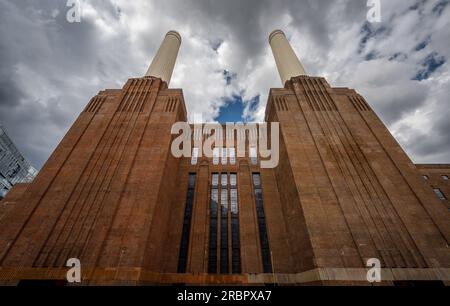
<point x="443" y="177"/>
<point x="225" y="155"/>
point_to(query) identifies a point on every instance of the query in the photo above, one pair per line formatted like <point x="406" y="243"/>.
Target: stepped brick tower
<point x="113" y="195"/>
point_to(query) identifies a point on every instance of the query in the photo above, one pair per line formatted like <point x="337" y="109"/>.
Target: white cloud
<point x="52" y="68"/>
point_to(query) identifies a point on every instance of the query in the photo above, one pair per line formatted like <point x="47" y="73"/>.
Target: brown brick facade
<point x="437" y="177"/>
<point x="113" y="196"/>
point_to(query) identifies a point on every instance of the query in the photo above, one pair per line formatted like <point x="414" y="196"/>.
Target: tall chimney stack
<point x="164" y="61"/>
<point x="287" y="62"/>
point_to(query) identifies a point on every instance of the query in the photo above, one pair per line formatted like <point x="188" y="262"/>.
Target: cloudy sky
<point x="50" y="68"/>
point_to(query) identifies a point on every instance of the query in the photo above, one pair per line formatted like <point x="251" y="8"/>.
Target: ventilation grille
<point x="359" y="103"/>
<point x="281" y="104"/>
<point x="171" y="105"/>
<point x="135" y="96"/>
<point x="317" y="95"/>
<point x="95" y="104"/>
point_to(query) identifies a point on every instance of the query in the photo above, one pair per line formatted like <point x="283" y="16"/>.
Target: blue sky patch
<point x="440" y="7"/>
<point x="369" y="31"/>
<point x="399" y="57"/>
<point x="429" y="65"/>
<point x="233" y="110"/>
<point x="423" y="44"/>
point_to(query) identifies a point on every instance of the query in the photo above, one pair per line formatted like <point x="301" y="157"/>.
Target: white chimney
<point x="164" y="61"/>
<point x="287" y="61"/>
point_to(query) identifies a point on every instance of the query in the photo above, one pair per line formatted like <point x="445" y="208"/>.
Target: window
<point x="194" y="156"/>
<point x="232" y="153"/>
<point x="224" y="180"/>
<point x="257" y="181"/>
<point x="439" y="194"/>
<point x="253" y="155"/>
<point x="233" y="180"/>
<point x="216" y="156"/>
<point x="220" y="221"/>
<point x="184" y="245"/>
<point x="263" y="238"/>
<point x="224" y="156"/>
<point x="212" y="260"/>
<point x="235" y="240"/>
<point x="445" y="177"/>
<point x="198" y="134"/>
<point x="215" y="180"/>
<point x="224" y="225"/>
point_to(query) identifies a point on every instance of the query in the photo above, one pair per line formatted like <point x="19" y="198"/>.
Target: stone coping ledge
<point x="137" y="275"/>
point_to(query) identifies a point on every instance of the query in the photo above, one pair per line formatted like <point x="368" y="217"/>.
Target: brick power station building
<point x="113" y="195"/>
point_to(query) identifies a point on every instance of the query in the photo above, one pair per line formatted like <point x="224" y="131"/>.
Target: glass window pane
<point x="194" y="156"/>
<point x="212" y="259"/>
<point x="215" y="195"/>
<point x="234" y="201"/>
<point x="256" y="180"/>
<point x="224" y="156"/>
<point x="232" y="153"/>
<point x="224" y="202"/>
<point x="215" y="180"/>
<point x="263" y="238"/>
<point x="224" y="180"/>
<point x="224" y="246"/>
<point x="191" y="181"/>
<point x="233" y="180"/>
<point x="216" y="156"/>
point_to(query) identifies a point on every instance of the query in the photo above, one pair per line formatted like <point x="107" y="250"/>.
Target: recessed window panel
<point x="263" y="237"/>
<point x="224" y="192"/>
<point x="185" y="235"/>
<point x="215" y="180"/>
<point x="213" y="224"/>
<point x="216" y="154"/>
<point x="224" y="245"/>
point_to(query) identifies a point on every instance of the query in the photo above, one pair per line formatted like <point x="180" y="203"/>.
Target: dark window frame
<point x="213" y="225"/>
<point x="186" y="231"/>
<point x="439" y="193"/>
<point x="266" y="254"/>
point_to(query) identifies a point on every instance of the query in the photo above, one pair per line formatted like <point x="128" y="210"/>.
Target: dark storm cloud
<point x="47" y="66"/>
<point x="50" y="68"/>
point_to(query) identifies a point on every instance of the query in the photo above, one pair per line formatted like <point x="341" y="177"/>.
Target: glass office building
<point x="14" y="168"/>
